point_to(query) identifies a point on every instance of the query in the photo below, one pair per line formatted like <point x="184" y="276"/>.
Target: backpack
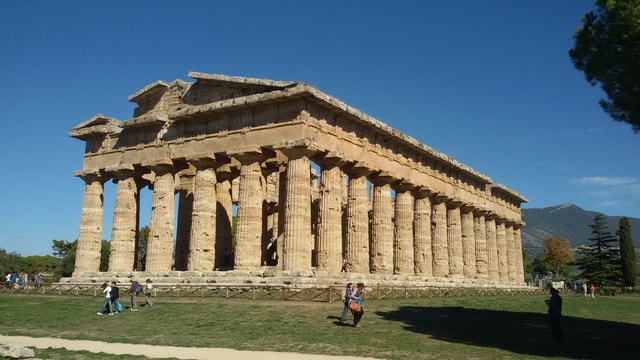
<point x="139" y="288"/>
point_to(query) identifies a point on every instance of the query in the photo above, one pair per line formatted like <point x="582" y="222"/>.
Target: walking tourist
<point x="347" y="298"/>
<point x="592" y="291"/>
<point x="358" y="297"/>
<point x="134" y="290"/>
<point x="147" y="293"/>
<point x="106" y="289"/>
<point x="555" y="312"/>
<point x="115" y="297"/>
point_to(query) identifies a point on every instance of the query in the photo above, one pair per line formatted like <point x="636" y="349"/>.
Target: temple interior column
<point x="423" y="258"/>
<point x="501" y="242"/>
<point x="468" y="242"/>
<point x="439" y="231"/>
<point x="382" y="233"/>
<point x="90" y="234"/>
<point x="454" y="239"/>
<point x="185" y="218"/>
<point x="403" y="250"/>
<point x="161" y="225"/>
<point x="224" y="213"/>
<point x="357" y="247"/>
<point x="203" y="222"/>
<point x="125" y="222"/>
<point x="492" y="248"/>
<point x="329" y="249"/>
<point x="480" y="234"/>
<point x="512" y="272"/>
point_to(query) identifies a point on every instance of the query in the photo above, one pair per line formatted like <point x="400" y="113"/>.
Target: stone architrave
<point x="90" y="235"/>
<point x="382" y="232"/>
<point x="439" y="232"/>
<point x="492" y="248"/>
<point x="224" y="217"/>
<point x="159" y="256"/>
<point x="501" y="242"/>
<point x="403" y="234"/>
<point x="468" y="242"/>
<point x="454" y="239"/>
<point x="203" y="222"/>
<point x="480" y="233"/>
<point x="511" y="254"/>
<point x="357" y="247"/>
<point x="125" y="221"/>
<point x="423" y="258"/>
<point x="329" y="249"/>
<point x="517" y="239"/>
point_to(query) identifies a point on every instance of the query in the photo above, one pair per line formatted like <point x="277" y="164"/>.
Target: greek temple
<point x="254" y="177"/>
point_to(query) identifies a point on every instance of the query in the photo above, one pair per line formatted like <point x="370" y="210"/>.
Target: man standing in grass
<point x="555" y="312"/>
<point x="106" y="289"/>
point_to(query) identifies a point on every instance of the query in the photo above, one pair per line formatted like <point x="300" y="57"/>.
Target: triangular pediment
<point x="98" y="125"/>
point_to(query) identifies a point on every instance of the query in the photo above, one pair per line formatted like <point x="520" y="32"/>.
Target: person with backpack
<point x="106" y="289"/>
<point x="135" y="289"/>
<point x="115" y="298"/>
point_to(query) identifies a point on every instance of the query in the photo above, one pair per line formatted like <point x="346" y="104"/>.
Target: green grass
<point x="427" y="328"/>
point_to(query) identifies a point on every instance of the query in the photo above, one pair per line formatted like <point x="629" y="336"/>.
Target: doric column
<point x="439" y="232"/>
<point x="382" y="234"/>
<point x="357" y="247"/>
<point x="160" y="243"/>
<point x="224" y="216"/>
<point x="454" y="239"/>
<point x="468" y="242"/>
<point x="185" y="217"/>
<point x="298" y="241"/>
<point x="492" y="248"/>
<point x="480" y="233"/>
<point x="403" y="250"/>
<point x="423" y="255"/>
<point x="203" y="221"/>
<point x="517" y="240"/>
<point x="329" y="249"/>
<point x="90" y="234"/>
<point x="512" y="267"/>
<point x="125" y="220"/>
<point x="248" y="252"/>
<point x="501" y="242"/>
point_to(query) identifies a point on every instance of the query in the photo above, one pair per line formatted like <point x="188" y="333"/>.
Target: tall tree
<point x="628" y="259"/>
<point x="66" y="252"/>
<point x="607" y="51"/>
<point x="600" y="261"/>
<point x="557" y="254"/>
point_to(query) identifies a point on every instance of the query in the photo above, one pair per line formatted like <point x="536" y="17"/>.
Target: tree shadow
<point x="522" y="332"/>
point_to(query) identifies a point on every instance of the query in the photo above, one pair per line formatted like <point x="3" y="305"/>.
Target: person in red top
<point x="592" y="291"/>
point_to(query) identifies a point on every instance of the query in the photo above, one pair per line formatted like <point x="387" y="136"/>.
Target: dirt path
<point x="162" y="351"/>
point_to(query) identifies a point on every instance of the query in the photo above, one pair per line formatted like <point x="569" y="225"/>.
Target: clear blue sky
<point x="486" y="82"/>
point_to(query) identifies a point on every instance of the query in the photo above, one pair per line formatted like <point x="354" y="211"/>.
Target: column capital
<point x="298" y="148"/>
<point x="330" y="159"/>
<point x="359" y="168"/>
<point x="90" y="175"/>
<point x="383" y="178"/>
<point x="250" y="153"/>
<point x="423" y="192"/>
<point x="202" y="160"/>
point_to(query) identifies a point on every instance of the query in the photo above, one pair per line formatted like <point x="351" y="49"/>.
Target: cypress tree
<point x="600" y="261"/>
<point x="628" y="260"/>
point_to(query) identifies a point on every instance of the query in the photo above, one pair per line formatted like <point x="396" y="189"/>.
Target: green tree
<point x="66" y="252"/>
<point x="607" y="51"/>
<point x="141" y="252"/>
<point x="557" y="254"/>
<point x="628" y="260"/>
<point x="600" y="261"/>
<point x="9" y="262"/>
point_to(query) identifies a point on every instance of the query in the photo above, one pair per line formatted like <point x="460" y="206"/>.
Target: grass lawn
<point x="426" y="328"/>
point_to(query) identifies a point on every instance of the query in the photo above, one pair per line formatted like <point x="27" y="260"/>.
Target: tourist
<point x="358" y="297"/>
<point x="12" y="279"/>
<point x="115" y="297"/>
<point x="134" y="290"/>
<point x="106" y="289"/>
<point x="584" y="289"/>
<point x="147" y="293"/>
<point x="555" y="312"/>
<point x="592" y="291"/>
<point x="347" y="298"/>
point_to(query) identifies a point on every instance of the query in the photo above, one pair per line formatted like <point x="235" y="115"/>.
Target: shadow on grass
<point x="522" y="332"/>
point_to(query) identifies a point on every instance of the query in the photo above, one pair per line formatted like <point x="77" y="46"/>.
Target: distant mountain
<point x="566" y="221"/>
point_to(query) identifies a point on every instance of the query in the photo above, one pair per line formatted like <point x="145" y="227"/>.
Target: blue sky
<point x="486" y="82"/>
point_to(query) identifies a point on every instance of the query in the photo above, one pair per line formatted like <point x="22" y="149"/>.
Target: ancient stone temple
<point x="316" y="187"/>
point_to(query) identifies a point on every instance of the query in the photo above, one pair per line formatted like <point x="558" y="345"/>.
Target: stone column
<point x="454" y="239"/>
<point x="160" y="243"/>
<point x="439" y="232"/>
<point x="248" y="252"/>
<point x="329" y="249"/>
<point x="423" y="258"/>
<point x="357" y="247"/>
<point x="501" y="242"/>
<point x="468" y="242"/>
<point x="125" y="221"/>
<point x="382" y="234"/>
<point x="224" y="216"/>
<point x="298" y="241"/>
<point x="517" y="239"/>
<point x="512" y="268"/>
<point x="203" y="221"/>
<point x="403" y="250"/>
<point x="185" y="214"/>
<point x="492" y="248"/>
<point x="90" y="235"/>
<point x="480" y="233"/>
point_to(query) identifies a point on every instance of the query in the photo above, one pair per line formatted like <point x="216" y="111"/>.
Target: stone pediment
<point x="99" y="125"/>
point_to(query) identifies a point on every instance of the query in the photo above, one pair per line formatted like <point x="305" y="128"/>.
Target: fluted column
<point x="468" y="242"/>
<point x="224" y="216"/>
<point x="90" y="234"/>
<point x="492" y="248"/>
<point x="203" y="221"/>
<point x="480" y="233"/>
<point x="329" y="249"/>
<point x="517" y="239"/>
<point x="403" y="250"/>
<point x="382" y="238"/>
<point x="454" y="239"/>
<point x="357" y="247"/>
<point x="501" y="242"/>
<point x="439" y="231"/>
<point x="511" y="254"/>
<point x="161" y="225"/>
<point x="125" y="222"/>
<point x="423" y="255"/>
<point x="185" y="217"/>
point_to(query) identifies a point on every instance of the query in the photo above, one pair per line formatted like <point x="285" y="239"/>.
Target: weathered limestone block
<point x="90" y="235"/>
<point x="422" y="236"/>
<point x="16" y="352"/>
<point x="403" y="235"/>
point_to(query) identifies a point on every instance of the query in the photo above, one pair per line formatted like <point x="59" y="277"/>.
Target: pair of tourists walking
<point x="354" y="303"/>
